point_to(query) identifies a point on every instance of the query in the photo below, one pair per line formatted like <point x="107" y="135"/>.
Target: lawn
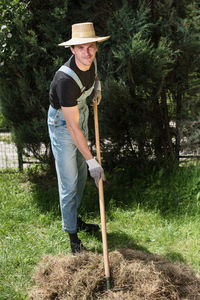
<point x="156" y="212"/>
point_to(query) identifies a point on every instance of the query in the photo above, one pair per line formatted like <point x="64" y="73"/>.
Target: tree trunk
<point x="178" y="101"/>
<point x="167" y="139"/>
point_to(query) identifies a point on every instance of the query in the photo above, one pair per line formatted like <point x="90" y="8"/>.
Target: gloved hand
<point x="97" y="91"/>
<point x="96" y="171"/>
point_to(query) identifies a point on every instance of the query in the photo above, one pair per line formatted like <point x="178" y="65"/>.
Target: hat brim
<point x="79" y="41"/>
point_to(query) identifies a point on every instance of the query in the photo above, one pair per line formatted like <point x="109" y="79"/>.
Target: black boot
<point x="76" y="244"/>
<point x="90" y="228"/>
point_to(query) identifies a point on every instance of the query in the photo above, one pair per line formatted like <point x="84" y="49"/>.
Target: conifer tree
<point x="155" y="48"/>
<point x="149" y="71"/>
<point x="30" y="33"/>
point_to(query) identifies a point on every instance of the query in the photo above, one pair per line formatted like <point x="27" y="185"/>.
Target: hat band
<point x="85" y="34"/>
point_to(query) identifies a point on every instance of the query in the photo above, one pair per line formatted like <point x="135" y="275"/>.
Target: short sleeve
<point x="68" y="92"/>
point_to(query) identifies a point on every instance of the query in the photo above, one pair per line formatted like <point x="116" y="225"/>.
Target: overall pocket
<point x="55" y="117"/>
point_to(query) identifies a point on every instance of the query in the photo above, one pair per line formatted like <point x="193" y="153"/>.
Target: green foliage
<point x="153" y="63"/>
<point x="148" y="69"/>
<point x="2" y="121"/>
<point x="30" y="34"/>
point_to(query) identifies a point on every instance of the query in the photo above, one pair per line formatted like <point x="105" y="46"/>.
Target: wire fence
<point x="11" y="157"/>
<point x="8" y="152"/>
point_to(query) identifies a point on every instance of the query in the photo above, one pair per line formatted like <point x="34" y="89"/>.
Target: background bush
<point x="149" y="71"/>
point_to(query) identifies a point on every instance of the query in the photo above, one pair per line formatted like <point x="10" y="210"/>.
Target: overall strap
<point x="72" y="74"/>
<point x="95" y="66"/>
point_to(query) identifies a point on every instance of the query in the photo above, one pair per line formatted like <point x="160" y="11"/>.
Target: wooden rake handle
<point x="101" y="200"/>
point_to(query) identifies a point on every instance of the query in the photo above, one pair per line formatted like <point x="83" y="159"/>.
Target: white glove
<point x="96" y="171"/>
<point x="97" y="91"/>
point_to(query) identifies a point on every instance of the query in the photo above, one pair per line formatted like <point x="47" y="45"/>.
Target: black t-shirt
<point x="64" y="91"/>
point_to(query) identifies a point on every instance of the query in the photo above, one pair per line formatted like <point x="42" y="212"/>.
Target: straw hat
<point x="83" y="33"/>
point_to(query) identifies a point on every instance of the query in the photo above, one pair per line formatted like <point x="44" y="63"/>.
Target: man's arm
<point x="71" y="115"/>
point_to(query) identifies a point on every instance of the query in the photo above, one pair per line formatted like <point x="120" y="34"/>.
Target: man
<point x="68" y="126"/>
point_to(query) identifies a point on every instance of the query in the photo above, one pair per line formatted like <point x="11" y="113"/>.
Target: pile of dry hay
<point x="134" y="275"/>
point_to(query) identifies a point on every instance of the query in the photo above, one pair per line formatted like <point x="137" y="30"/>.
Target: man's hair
<point x="74" y="45"/>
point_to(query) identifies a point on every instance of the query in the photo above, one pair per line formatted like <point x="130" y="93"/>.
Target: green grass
<point x="156" y="212"/>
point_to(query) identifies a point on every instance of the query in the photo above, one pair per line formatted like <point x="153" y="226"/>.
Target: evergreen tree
<point x="145" y="70"/>
<point x="30" y="33"/>
<point x="149" y="71"/>
<point x="140" y="70"/>
<point x="155" y="48"/>
<point x="179" y="21"/>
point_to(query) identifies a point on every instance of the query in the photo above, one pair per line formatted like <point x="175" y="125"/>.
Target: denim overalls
<point x="71" y="166"/>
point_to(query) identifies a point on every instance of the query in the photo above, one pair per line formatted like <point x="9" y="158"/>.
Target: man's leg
<point x="67" y="172"/>
<point x="65" y="154"/>
<point x="82" y="177"/>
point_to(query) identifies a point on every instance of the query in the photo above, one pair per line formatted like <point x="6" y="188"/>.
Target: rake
<point x="101" y="201"/>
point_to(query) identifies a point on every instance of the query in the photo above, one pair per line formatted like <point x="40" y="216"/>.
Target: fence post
<point x="20" y="159"/>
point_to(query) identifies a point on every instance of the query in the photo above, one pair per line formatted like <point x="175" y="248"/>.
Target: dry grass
<point x="134" y="275"/>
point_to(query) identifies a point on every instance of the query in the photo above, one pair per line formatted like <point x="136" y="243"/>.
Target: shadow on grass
<point x="120" y="240"/>
<point x="175" y="256"/>
<point x="45" y="193"/>
<point x="173" y="193"/>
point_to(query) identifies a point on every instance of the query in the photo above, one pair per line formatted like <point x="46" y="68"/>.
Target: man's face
<point x="84" y="55"/>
